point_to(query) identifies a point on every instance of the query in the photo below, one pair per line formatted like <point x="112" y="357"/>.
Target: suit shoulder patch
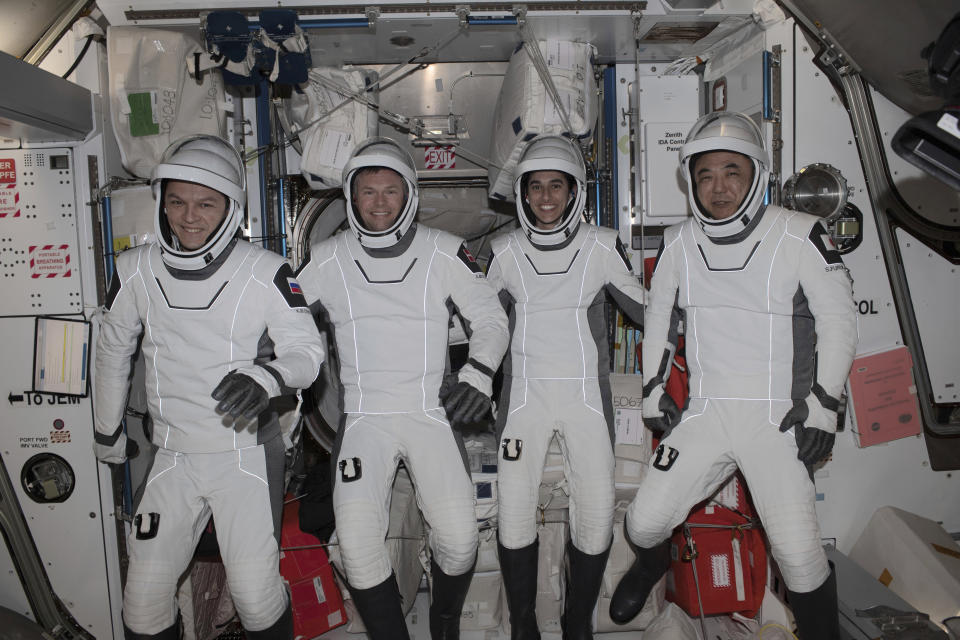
<point x="821" y="240"/>
<point x="288" y="287"/>
<point x="113" y="292"/>
<point x="467" y="258"/>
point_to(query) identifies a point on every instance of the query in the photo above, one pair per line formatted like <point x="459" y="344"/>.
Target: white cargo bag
<point x="525" y="109"/>
<point x="153" y="100"/>
<point x="329" y="132"/>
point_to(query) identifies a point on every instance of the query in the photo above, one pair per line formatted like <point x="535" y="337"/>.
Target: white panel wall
<point x="858" y="481"/>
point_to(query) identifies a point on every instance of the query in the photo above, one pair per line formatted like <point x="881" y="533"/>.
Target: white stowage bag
<point x="672" y="624"/>
<point x="525" y="109"/>
<point x="153" y="100"/>
<point x="328" y="136"/>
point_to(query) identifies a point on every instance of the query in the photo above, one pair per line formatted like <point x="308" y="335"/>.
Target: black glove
<point x="450" y="381"/>
<point x="813" y="444"/>
<point x="464" y="404"/>
<point x="665" y="416"/>
<point x="133" y="449"/>
<point x="239" y="394"/>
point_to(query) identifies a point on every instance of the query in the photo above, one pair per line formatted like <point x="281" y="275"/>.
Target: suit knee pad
<point x="361" y="530"/>
<point x="591" y="519"/>
<point x="455" y="555"/>
<point x="258" y="593"/>
<point x="453" y="536"/>
<point x="794" y="537"/>
<point x="149" y="597"/>
<point x="516" y="522"/>
<point x="649" y="523"/>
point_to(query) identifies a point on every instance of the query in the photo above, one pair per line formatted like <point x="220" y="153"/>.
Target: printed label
<point x="9" y="196"/>
<point x="438" y="157"/>
<point x="50" y="261"/>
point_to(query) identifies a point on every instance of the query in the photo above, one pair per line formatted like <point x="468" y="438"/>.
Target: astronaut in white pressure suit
<point x="770" y="326"/>
<point x="388" y="286"/>
<point x="207" y="305"/>
<point x="554" y="274"/>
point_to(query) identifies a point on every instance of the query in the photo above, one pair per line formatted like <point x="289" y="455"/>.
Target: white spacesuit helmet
<point x="723" y="131"/>
<point x="382" y="152"/>
<point x="551" y="153"/>
<point x="209" y="161"/>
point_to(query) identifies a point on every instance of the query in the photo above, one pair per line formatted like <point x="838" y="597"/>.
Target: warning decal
<point x="440" y="157"/>
<point x="50" y="261"/>
<point x="9" y="197"/>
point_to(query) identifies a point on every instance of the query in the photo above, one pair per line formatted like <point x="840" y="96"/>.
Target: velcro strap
<point x="826" y="400"/>
<point x="284" y="389"/>
<point x="482" y="368"/>
<point x="661" y="372"/>
<point x="108" y="439"/>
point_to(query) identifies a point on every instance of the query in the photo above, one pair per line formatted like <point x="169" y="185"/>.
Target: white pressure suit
<point x="763" y="316"/>
<point x="768" y="316"/>
<point x="554" y="282"/>
<point x="388" y="298"/>
<point x="390" y="317"/>
<point x="556" y="376"/>
<point x="209" y="315"/>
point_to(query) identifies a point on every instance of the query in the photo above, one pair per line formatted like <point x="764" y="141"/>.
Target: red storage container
<point x="731" y="560"/>
<point x="317" y="604"/>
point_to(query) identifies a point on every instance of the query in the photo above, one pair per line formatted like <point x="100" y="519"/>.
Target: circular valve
<point x="46" y="477"/>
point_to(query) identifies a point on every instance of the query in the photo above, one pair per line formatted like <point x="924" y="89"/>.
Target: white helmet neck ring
<point x="382" y="153"/>
<point x="210" y="162"/>
<point x="551" y="153"/>
<point x="731" y="132"/>
<point x="750" y="206"/>
<point x="565" y="227"/>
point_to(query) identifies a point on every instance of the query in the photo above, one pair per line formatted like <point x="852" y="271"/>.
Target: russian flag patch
<point x="294" y="287"/>
<point x="467" y="258"/>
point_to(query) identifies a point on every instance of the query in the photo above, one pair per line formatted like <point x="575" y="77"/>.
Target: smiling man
<point x="387" y="286"/>
<point x="378" y="194"/>
<point x="554" y="274"/>
<point x="766" y="306"/>
<point x="201" y="302"/>
<point x="193" y="212"/>
<point x="722" y="180"/>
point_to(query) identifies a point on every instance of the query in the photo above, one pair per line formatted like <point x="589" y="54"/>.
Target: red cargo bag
<point x="719" y="560"/>
<point x="316" y="600"/>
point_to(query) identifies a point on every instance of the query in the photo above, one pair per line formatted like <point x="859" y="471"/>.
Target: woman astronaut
<point x="553" y="274"/>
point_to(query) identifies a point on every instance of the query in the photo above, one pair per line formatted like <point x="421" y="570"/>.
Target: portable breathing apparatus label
<point x="50" y="261"/>
<point x="9" y="196"/>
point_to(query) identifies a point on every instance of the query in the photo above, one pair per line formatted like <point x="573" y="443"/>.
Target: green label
<point x="142" y="122"/>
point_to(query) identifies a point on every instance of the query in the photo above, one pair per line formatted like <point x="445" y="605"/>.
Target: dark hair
<point x="166" y="181"/>
<point x="693" y="176"/>
<point x="695" y="158"/>
<point x="525" y="180"/>
<point x="165" y="229"/>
